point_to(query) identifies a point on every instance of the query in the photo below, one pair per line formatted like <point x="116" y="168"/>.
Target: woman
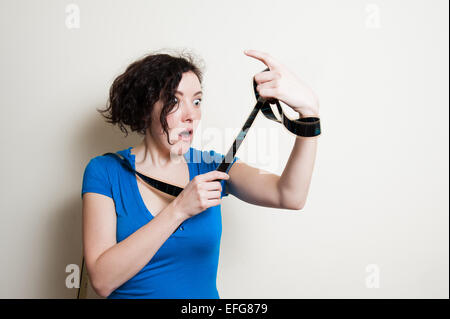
<point x="139" y="242"/>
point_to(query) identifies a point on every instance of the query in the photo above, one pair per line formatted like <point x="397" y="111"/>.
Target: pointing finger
<point x="264" y="57"/>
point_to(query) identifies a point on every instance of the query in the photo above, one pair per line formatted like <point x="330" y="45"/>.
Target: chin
<point x="180" y="148"/>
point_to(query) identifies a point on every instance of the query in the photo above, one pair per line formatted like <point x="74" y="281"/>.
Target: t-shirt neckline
<point x="134" y="184"/>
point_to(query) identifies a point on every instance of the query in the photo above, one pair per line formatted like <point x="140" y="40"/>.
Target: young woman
<point x="139" y="242"/>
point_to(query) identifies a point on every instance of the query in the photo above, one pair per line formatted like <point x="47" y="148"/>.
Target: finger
<point x="264" y="57"/>
<point x="267" y="85"/>
<point x="214" y="202"/>
<point x="210" y="186"/>
<point x="269" y="92"/>
<point x="210" y="176"/>
<point x="213" y="195"/>
<point x="266" y="76"/>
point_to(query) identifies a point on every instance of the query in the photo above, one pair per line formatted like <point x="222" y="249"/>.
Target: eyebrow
<point x="181" y="93"/>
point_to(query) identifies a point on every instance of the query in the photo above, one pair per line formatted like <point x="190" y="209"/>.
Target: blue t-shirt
<point x="185" y="266"/>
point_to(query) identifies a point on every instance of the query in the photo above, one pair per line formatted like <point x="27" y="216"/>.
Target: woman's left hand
<point x="282" y="84"/>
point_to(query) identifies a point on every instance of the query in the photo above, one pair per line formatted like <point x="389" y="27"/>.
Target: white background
<point x="379" y="193"/>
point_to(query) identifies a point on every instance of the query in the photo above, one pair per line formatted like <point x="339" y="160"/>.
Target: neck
<point x="150" y="152"/>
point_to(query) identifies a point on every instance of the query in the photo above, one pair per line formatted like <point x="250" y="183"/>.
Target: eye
<point x="175" y="105"/>
<point x="199" y="101"/>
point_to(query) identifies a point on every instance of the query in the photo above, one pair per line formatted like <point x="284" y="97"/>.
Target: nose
<point x="190" y="112"/>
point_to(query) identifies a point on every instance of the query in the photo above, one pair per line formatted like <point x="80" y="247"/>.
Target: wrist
<point x="308" y="112"/>
<point x="176" y="211"/>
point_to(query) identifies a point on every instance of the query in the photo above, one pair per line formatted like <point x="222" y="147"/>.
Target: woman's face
<point x="184" y="117"/>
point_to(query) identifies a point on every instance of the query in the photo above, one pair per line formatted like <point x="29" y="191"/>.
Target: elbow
<point x="98" y="279"/>
<point x="104" y="292"/>
<point x="296" y="203"/>
<point x="101" y="287"/>
<point x="101" y="290"/>
<point x="294" y="206"/>
<point x="289" y="199"/>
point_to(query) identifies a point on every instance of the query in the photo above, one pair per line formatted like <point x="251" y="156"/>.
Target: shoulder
<point x="103" y="164"/>
<point x="102" y="161"/>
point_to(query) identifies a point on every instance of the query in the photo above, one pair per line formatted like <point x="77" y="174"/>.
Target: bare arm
<point x="296" y="177"/>
<point x="288" y="191"/>
<point x="109" y="263"/>
<point x="254" y="186"/>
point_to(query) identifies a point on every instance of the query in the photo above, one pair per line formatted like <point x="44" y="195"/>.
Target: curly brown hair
<point x="134" y="93"/>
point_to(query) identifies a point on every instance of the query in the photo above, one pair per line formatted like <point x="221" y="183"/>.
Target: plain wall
<point x="378" y="201"/>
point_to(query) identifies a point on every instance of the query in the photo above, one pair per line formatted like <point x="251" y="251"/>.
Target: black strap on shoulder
<point x="159" y="185"/>
<point x="306" y="127"/>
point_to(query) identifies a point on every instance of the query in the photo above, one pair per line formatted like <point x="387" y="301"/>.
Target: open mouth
<point x="186" y="135"/>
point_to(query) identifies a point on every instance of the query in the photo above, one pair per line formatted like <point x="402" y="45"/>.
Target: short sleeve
<point x="214" y="159"/>
<point x="95" y="179"/>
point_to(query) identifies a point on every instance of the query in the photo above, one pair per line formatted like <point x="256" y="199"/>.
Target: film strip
<point x="306" y="127"/>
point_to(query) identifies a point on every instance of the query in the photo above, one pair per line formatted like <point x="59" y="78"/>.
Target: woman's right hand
<point x="202" y="192"/>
